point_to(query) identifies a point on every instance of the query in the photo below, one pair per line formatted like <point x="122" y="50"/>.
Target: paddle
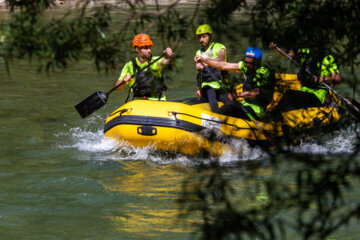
<point x="356" y="104"/>
<point x="354" y="109"/>
<point x="99" y="98"/>
<point x="241" y="107"/>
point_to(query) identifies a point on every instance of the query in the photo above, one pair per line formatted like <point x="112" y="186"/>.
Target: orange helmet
<point x="142" y="40"/>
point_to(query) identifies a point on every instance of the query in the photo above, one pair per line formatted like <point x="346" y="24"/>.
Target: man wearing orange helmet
<point x="148" y="84"/>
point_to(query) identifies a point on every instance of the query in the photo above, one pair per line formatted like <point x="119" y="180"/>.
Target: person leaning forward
<point x="210" y="88"/>
<point x="148" y="84"/>
<point x="258" y="88"/>
<point x="311" y="92"/>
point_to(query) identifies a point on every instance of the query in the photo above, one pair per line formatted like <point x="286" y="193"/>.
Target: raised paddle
<point x="352" y="105"/>
<point x="99" y="98"/>
<point x="242" y="108"/>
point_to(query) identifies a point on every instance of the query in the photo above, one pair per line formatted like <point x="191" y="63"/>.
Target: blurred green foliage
<point x="57" y="38"/>
<point x="33" y="29"/>
<point x="295" y="23"/>
<point x="290" y="196"/>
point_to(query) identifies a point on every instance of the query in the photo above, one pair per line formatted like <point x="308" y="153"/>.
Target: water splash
<point x="339" y="142"/>
<point x="242" y="151"/>
<point x="89" y="141"/>
<point x="94" y="141"/>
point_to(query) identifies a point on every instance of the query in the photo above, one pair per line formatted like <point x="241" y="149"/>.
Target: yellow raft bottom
<point x="169" y="139"/>
<point x="178" y="127"/>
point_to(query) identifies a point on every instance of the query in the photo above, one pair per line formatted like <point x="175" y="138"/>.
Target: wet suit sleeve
<point x="242" y="67"/>
<point x="261" y="77"/>
<point x="328" y="66"/>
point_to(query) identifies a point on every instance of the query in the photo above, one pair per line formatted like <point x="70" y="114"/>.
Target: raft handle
<point x="147" y="131"/>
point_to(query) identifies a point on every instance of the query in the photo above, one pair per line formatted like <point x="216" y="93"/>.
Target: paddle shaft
<point x="323" y="83"/>
<point x="239" y="105"/>
<point x="98" y="99"/>
<point x="135" y="74"/>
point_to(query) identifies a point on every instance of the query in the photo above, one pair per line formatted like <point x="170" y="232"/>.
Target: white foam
<point x="94" y="141"/>
<point x="341" y="142"/>
<point x="241" y="151"/>
<point x="88" y="141"/>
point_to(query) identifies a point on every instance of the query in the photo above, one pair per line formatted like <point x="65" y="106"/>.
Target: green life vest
<point x="147" y="85"/>
<point x="319" y="66"/>
<point x="206" y="77"/>
<point x="264" y="79"/>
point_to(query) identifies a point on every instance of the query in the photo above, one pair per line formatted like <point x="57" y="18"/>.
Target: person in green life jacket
<point x="311" y="92"/>
<point x="258" y="88"/>
<point x="149" y="83"/>
<point x="210" y="88"/>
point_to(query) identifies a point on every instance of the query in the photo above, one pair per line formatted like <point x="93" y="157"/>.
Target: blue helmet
<point x="254" y="52"/>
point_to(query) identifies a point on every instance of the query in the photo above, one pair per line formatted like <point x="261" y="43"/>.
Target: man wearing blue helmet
<point x="258" y="88"/>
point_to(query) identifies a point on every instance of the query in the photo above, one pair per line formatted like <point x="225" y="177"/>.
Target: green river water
<point x="61" y="179"/>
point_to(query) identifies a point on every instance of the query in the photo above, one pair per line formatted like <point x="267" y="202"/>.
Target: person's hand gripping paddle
<point x="99" y="98"/>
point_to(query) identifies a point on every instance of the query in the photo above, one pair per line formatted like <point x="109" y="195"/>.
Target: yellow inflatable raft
<point x="179" y="126"/>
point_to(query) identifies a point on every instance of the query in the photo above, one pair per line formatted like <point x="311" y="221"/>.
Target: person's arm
<point x="223" y="66"/>
<point x="332" y="74"/>
<point x="335" y="78"/>
<point x="169" y="55"/>
<point x="289" y="52"/>
<point x="248" y="94"/>
<point x="221" y="55"/>
<point x="124" y="76"/>
<point x="127" y="79"/>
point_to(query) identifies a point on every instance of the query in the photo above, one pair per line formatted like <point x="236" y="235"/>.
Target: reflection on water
<point x="149" y="182"/>
<point x="154" y="189"/>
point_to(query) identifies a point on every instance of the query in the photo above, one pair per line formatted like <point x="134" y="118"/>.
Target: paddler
<point x="210" y="88"/>
<point x="148" y="84"/>
<point x="258" y="88"/>
<point x="311" y="92"/>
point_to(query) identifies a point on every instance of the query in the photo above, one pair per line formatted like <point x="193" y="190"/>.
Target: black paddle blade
<point x="92" y="103"/>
